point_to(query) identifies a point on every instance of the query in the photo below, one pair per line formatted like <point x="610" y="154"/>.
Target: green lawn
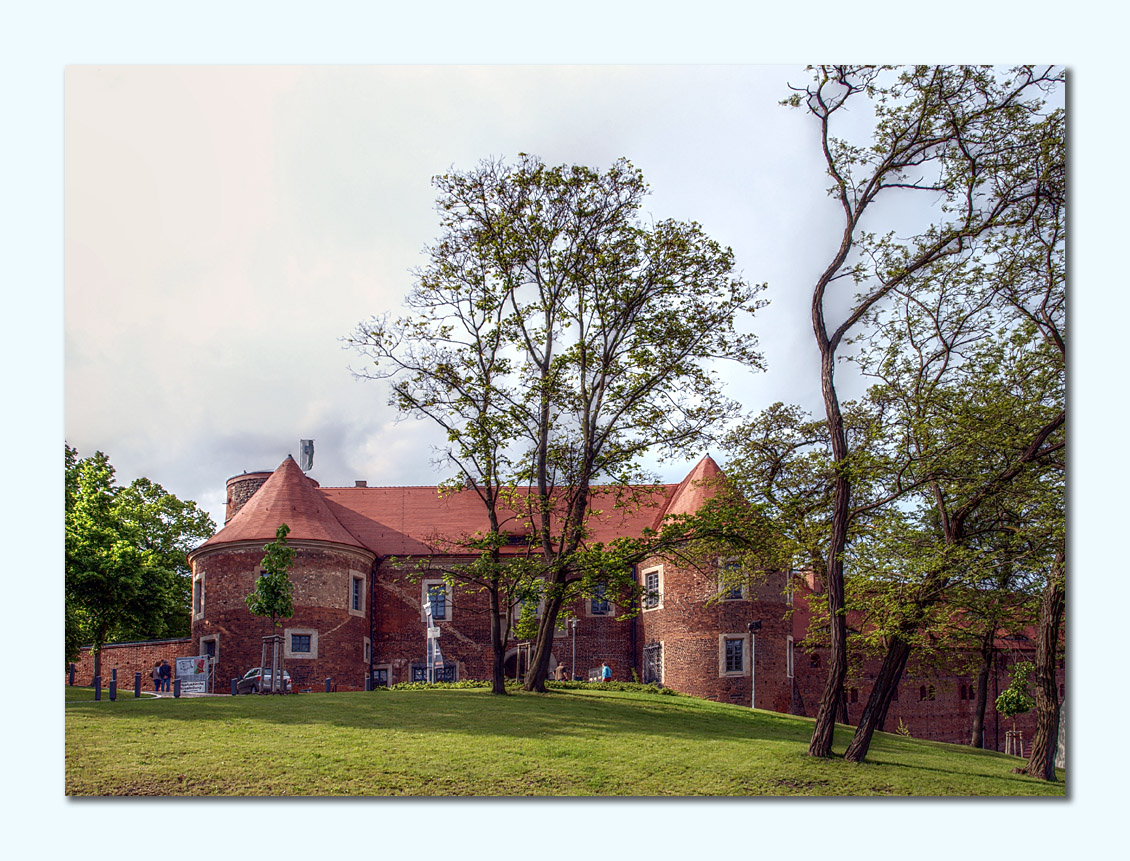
<point x="466" y="742"/>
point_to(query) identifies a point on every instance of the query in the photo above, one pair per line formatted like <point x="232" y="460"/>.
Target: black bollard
<point x="176" y="687"/>
<point x="235" y="687"/>
<point x="114" y="675"/>
<point x="113" y="689"/>
<point x="328" y="684"/>
<point x="71" y="676"/>
<point x="137" y="685"/>
<point x="97" y="688"/>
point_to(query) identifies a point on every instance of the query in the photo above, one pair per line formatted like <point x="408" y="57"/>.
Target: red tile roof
<point x="400" y="521"/>
<point x="289" y="497"/>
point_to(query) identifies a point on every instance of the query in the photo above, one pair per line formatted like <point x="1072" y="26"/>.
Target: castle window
<point x="732" y="588"/>
<point x="600" y="605"/>
<point x="300" y="643"/>
<point x="198" y="596"/>
<point x="732" y="655"/>
<point x="381" y="676"/>
<point x="438" y="596"/>
<point x="653" y="589"/>
<point x="356" y="593"/>
<point x="210" y="646"/>
<point x="789" y="657"/>
<point x="446" y="673"/>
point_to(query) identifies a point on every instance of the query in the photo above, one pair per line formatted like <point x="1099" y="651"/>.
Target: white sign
<point x="193" y="674"/>
<point x="433" y="632"/>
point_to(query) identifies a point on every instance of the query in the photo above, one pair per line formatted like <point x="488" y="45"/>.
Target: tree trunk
<point x="880" y="698"/>
<point x="825" y="727"/>
<point x="97" y="652"/>
<point x="894" y="687"/>
<point x="977" y="737"/>
<point x="1041" y="761"/>
<point x="543" y="648"/>
<point x="498" y="662"/>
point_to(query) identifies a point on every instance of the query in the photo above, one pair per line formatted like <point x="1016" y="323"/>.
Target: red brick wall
<point x="320" y="577"/>
<point x="690" y="623"/>
<point x="399" y="633"/>
<point x="130" y="658"/>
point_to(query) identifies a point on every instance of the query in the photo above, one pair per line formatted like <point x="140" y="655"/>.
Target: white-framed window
<point x="300" y="643"/>
<point x="356" y="596"/>
<point x="598" y="604"/>
<point x="789" y="656"/>
<point x="438" y="595"/>
<point x="733" y="655"/>
<point x="731" y="583"/>
<point x="652" y="580"/>
<point x="198" y="596"/>
<point x="210" y="647"/>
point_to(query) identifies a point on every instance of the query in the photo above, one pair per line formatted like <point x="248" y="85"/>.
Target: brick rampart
<point x="130" y="658"/>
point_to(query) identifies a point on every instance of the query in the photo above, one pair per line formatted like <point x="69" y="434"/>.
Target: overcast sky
<point x="226" y="226"/>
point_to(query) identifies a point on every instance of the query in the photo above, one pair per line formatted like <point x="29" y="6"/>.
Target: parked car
<point x="257" y="679"/>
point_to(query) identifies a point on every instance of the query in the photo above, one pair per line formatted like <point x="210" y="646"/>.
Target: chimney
<point x="360" y="484"/>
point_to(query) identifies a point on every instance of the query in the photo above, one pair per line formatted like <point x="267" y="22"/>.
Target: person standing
<point x="605" y="672"/>
<point x="156" y="676"/>
<point x="166" y="675"/>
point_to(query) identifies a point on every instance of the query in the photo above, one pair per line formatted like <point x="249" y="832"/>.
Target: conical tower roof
<point x="701" y="483"/>
<point x="289" y="497"/>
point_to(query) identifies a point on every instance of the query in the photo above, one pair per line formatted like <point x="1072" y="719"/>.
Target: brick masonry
<point x="130" y="658"/>
<point x="338" y="535"/>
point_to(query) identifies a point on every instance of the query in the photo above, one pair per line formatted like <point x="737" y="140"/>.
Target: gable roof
<point x="403" y="521"/>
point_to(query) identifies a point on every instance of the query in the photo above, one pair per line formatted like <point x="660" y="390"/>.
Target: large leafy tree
<point x="979" y="145"/>
<point x="557" y="338"/>
<point x="127" y="577"/>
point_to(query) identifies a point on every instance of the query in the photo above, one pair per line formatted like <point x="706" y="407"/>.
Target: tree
<point x="273" y="594"/>
<point x="556" y="339"/>
<point x="126" y="572"/>
<point x="969" y="137"/>
<point x="1041" y="760"/>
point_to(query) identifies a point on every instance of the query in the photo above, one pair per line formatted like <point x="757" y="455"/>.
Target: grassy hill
<point x="584" y="742"/>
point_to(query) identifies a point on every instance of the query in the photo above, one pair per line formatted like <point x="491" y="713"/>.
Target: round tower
<point x="328" y="635"/>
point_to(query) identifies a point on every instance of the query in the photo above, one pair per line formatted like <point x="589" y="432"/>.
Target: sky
<point x="227" y="226"/>
<point x="199" y="202"/>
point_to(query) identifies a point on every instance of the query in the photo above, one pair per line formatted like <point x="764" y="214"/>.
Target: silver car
<point x="257" y="679"/>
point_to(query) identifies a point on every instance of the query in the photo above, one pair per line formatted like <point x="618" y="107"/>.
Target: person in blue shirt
<point x="605" y="672"/>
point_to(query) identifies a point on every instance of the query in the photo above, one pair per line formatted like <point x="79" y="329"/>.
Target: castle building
<point x="359" y="617"/>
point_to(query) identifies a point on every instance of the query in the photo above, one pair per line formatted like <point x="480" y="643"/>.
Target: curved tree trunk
<point x="890" y="697"/>
<point x="880" y="698"/>
<point x="1041" y="761"/>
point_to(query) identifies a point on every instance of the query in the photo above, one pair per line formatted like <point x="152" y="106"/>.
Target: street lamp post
<point x="753" y="627"/>
<point x="573" y="669"/>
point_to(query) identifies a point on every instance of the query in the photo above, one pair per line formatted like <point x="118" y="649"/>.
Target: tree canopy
<point x="127" y="576"/>
<point x="557" y="337"/>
